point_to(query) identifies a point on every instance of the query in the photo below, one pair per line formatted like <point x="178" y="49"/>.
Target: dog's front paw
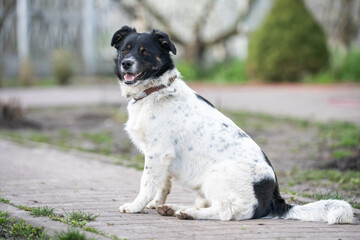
<point x="129" y="208"/>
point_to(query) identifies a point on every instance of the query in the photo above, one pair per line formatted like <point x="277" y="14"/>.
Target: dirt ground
<point x="292" y="146"/>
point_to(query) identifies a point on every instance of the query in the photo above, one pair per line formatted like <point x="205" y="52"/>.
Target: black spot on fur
<point x="269" y="200"/>
<point x="225" y="125"/>
<point x="205" y="100"/>
<point x="241" y="134"/>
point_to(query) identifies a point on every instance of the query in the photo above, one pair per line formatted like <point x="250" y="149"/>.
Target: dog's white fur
<point x="185" y="139"/>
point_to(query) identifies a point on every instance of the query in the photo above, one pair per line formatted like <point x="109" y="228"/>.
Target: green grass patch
<point x="43" y="211"/>
<point x="70" y="234"/>
<point x="99" y="138"/>
<point x="323" y="196"/>
<point x="11" y="228"/>
<point x="4" y="220"/>
<point x="340" y="134"/>
<point x="80" y="216"/>
<point x="348" y="180"/>
<point x="4" y="200"/>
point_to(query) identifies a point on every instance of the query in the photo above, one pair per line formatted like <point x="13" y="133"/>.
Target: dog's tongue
<point x="130" y="77"/>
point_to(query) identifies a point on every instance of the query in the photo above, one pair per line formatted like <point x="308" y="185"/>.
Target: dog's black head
<point x="141" y="56"/>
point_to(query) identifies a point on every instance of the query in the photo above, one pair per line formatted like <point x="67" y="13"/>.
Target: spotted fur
<point x="185" y="138"/>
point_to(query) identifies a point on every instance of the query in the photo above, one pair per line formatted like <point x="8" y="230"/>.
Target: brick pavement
<point x="45" y="176"/>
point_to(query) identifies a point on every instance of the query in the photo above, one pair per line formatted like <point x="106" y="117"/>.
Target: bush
<point x="348" y="69"/>
<point x="223" y="72"/>
<point x="230" y="71"/>
<point x="344" y="67"/>
<point x="63" y="66"/>
<point x="26" y="73"/>
<point x="289" y="45"/>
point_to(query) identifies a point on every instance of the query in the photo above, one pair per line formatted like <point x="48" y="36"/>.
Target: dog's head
<point x="141" y="56"/>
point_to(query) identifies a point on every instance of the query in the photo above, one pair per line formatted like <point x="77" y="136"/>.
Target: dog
<point x="185" y="138"/>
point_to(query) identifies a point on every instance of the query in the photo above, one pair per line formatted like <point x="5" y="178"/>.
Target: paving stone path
<point x="310" y="102"/>
<point x="45" y="176"/>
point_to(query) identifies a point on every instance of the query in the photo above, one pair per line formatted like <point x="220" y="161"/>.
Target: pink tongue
<point x="129" y="77"/>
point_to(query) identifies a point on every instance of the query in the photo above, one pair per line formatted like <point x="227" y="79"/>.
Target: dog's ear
<point x="120" y="35"/>
<point x="164" y="41"/>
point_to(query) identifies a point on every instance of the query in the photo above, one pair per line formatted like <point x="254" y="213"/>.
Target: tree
<point x="288" y="45"/>
<point x="196" y="48"/>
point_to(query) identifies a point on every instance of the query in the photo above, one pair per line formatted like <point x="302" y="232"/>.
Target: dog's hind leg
<point x="215" y="212"/>
<point x="170" y="209"/>
<point x="161" y="195"/>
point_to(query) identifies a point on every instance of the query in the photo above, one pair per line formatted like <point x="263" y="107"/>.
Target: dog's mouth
<point x="131" y="78"/>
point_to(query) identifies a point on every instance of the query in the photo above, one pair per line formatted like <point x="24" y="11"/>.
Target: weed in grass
<point x="45" y="211"/>
<point x="11" y="228"/>
<point x="93" y="230"/>
<point x="27" y="231"/>
<point x="80" y="216"/>
<point x="4" y="220"/>
<point x="71" y="234"/>
<point x="4" y="200"/>
<point x="25" y="208"/>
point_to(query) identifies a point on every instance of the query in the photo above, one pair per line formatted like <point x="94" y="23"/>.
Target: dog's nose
<point x="126" y="64"/>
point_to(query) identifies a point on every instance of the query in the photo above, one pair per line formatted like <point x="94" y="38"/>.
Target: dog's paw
<point x="129" y="208"/>
<point x="165" y="210"/>
<point x="182" y="215"/>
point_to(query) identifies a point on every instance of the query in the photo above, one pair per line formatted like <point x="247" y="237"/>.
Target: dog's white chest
<point x="135" y="126"/>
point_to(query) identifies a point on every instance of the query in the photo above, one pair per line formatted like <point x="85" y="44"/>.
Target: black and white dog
<point x="185" y="138"/>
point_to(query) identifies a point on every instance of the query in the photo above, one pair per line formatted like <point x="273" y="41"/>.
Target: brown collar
<point x="149" y="91"/>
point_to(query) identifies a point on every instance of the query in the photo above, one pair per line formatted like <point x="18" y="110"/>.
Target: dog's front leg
<point x="161" y="195"/>
<point x="155" y="175"/>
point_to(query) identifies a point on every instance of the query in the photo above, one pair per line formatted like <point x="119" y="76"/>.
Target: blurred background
<point x="285" y="71"/>
<point x="46" y="42"/>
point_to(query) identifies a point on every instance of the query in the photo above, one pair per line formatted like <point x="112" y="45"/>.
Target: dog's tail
<point x="330" y="211"/>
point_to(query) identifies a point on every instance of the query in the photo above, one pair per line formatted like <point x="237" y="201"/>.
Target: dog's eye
<point x="126" y="49"/>
<point x="142" y="51"/>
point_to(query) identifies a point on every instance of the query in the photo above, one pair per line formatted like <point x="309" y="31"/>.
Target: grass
<point x="4" y="200"/>
<point x="11" y="228"/>
<point x="348" y="180"/>
<point x="80" y="216"/>
<point x="74" y="218"/>
<point x="43" y="211"/>
<point x="70" y="234"/>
